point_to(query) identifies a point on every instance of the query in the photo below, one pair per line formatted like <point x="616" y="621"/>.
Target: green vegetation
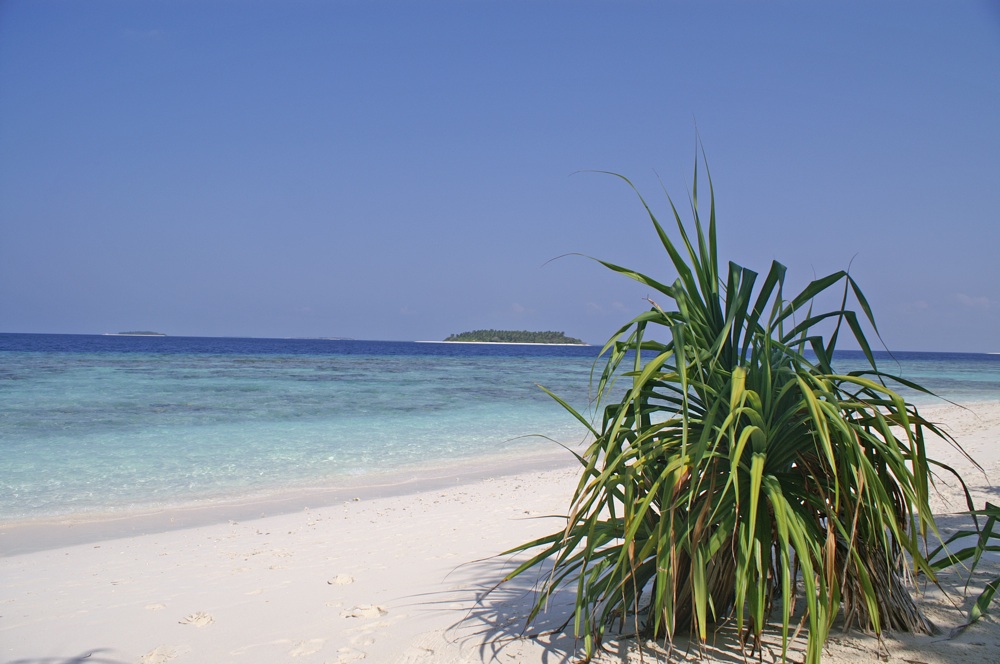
<point x="514" y="337"/>
<point x="736" y="475"/>
<point x="986" y="539"/>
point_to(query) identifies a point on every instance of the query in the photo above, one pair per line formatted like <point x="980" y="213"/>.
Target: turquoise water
<point x="99" y="424"/>
<point x="959" y="377"/>
<point x="131" y="423"/>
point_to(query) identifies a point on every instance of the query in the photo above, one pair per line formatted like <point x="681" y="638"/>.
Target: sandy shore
<point x="385" y="579"/>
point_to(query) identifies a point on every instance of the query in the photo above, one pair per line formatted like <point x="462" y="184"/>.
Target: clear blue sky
<point x="405" y="170"/>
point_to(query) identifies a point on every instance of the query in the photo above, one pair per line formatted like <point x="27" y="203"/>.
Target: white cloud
<point x="978" y="302"/>
<point x="518" y="308"/>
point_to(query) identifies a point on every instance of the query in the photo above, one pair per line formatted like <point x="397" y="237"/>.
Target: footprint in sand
<point x="363" y="640"/>
<point x="160" y="655"/>
<point x="425" y="650"/>
<point x="365" y="611"/>
<point x="199" y="619"/>
<point x="309" y="647"/>
<point x="418" y="654"/>
<point x="350" y="655"/>
<point x="341" y="580"/>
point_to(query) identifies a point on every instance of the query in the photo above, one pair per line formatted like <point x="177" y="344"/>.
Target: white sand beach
<point x="388" y="579"/>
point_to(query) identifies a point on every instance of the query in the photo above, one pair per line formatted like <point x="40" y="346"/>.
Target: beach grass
<point x="734" y="474"/>
<point x="966" y="549"/>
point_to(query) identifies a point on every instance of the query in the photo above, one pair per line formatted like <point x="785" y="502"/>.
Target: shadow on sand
<point x="88" y="657"/>
<point x="493" y="624"/>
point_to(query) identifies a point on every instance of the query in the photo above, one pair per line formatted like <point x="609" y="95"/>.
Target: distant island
<point x="514" y="337"/>
<point x="138" y="333"/>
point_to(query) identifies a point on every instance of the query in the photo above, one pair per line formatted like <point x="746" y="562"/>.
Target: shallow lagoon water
<point x="96" y="424"/>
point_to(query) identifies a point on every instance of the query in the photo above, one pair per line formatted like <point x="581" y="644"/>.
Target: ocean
<point x="108" y="424"/>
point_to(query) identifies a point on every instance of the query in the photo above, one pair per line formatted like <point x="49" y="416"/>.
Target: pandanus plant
<point x="734" y="472"/>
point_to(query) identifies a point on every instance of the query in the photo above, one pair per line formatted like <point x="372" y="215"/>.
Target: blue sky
<point x="407" y="170"/>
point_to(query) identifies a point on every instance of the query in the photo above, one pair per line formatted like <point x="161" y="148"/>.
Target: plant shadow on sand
<point x="492" y="627"/>
<point x="87" y="657"/>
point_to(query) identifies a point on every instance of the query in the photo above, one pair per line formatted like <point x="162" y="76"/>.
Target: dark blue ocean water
<point x="111" y="423"/>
